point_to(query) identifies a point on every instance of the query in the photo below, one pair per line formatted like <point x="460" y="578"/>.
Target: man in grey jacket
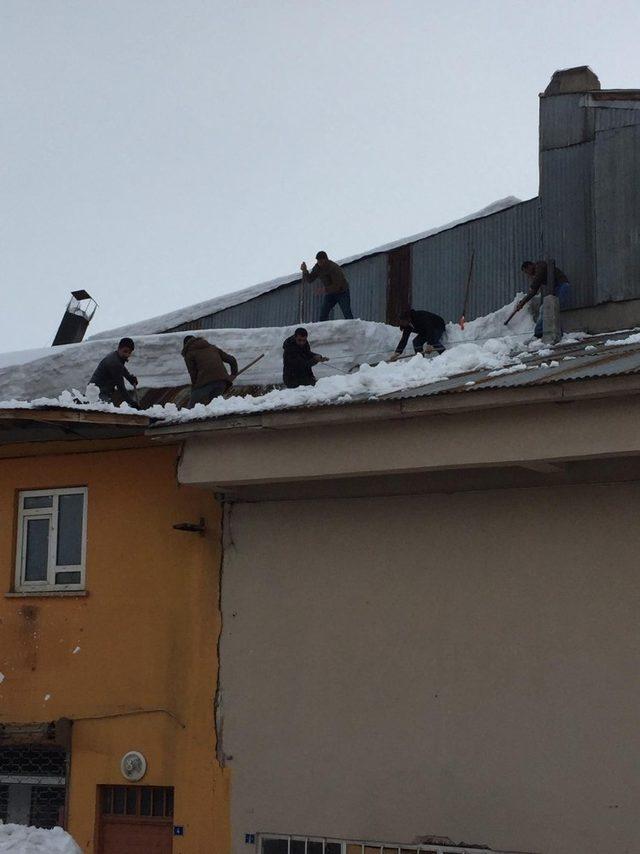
<point x="111" y="373"/>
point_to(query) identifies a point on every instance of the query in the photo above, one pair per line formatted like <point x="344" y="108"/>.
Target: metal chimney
<point x="79" y="311"/>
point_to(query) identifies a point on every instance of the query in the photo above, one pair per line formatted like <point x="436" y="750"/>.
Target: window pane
<point x="145" y="801"/>
<point x="314" y="847"/>
<point x="118" y="800"/>
<point x="35" y="568"/>
<point x="297" y="846"/>
<point x="274" y="846"/>
<point x="73" y="577"/>
<point x="36" y="501"/>
<point x="332" y="848"/>
<point x="131" y="800"/>
<point x="158" y="802"/>
<point x="168" y="805"/>
<point x="70" y="529"/>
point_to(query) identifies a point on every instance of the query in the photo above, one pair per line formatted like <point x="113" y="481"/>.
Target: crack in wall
<point x="226" y="539"/>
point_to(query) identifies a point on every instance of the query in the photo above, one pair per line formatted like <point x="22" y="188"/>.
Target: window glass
<point x="297" y="846"/>
<point x="333" y="848"/>
<point x="74" y="577"/>
<point x="274" y="846"/>
<point x="118" y="800"/>
<point x="145" y="801"/>
<point x="314" y="847"/>
<point x="158" y="801"/>
<point x="35" y="568"/>
<point x="131" y="800"/>
<point x="69" y="552"/>
<point x="36" y="501"/>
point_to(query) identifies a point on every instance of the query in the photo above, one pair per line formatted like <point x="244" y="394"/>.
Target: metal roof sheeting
<point x="603" y="361"/>
<point x="501" y="242"/>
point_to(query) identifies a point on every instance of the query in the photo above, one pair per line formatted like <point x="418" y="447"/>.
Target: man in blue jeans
<point x="537" y="273"/>
<point x="334" y="283"/>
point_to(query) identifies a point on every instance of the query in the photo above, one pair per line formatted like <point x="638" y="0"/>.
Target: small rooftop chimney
<point x="79" y="311"/>
<point x="568" y="81"/>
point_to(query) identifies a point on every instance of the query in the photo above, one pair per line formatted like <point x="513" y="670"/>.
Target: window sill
<point x="56" y="594"/>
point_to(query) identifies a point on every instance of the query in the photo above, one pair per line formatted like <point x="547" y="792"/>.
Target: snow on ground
<point x="158" y="363"/>
<point x="18" y="839"/>
<point x="485" y="343"/>
<point x="201" y="309"/>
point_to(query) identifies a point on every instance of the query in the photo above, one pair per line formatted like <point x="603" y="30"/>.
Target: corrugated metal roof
<point x="565" y="364"/>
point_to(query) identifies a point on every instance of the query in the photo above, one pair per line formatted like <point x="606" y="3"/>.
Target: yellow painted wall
<point x="147" y="633"/>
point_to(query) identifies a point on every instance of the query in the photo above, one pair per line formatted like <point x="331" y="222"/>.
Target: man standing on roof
<point x="111" y="373"/>
<point x="537" y="273"/>
<point x="209" y="377"/>
<point x="298" y="360"/>
<point x="334" y="283"/>
<point x="428" y="328"/>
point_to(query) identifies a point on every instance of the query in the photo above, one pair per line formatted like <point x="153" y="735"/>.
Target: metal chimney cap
<point x="81" y="295"/>
<point x="573" y="80"/>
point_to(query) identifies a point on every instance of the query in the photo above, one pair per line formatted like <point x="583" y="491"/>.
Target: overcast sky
<point x="161" y="152"/>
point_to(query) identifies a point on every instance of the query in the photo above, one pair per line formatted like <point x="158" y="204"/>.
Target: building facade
<point x="429" y="617"/>
<point x="109" y="625"/>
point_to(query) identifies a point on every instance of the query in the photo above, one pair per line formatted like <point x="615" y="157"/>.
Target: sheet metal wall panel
<point x="564" y="121"/>
<point x="440" y="264"/>
<point x="368" y="287"/>
<point x="568" y="221"/>
<point x="617" y="199"/>
<point x="610" y="118"/>
<point x="275" y="308"/>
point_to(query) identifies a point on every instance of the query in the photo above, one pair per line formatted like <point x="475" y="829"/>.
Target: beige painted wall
<point x="463" y="665"/>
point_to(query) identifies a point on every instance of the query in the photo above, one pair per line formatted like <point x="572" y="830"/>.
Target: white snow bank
<point x="158" y="363"/>
<point x="201" y="309"/>
<point x="368" y="383"/>
<point x="18" y="839"/>
<point x="619" y="342"/>
<point x="485" y="343"/>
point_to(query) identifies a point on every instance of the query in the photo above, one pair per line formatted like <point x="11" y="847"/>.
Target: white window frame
<point x="50" y="513"/>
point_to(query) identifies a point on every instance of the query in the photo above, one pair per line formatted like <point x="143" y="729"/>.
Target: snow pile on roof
<point x="202" y="309"/>
<point x="497" y="348"/>
<point x="18" y="839"/>
<point x="158" y="363"/>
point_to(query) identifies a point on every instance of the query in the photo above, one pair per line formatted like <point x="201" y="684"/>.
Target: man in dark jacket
<point x="334" y="283"/>
<point x="428" y="328"/>
<point x="111" y="373"/>
<point x="298" y="360"/>
<point x="537" y="274"/>
<point x="209" y="377"/>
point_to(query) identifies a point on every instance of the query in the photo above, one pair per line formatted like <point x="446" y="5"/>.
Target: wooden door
<point x="399" y="283"/>
<point x="135" y="820"/>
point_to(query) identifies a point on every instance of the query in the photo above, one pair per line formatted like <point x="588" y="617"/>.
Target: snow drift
<point x="485" y="343"/>
<point x="158" y="363"/>
<point x="18" y="839"/>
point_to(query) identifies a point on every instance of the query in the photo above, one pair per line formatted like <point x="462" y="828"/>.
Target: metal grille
<point x="47" y="806"/>
<point x="32" y="761"/>
<point x="4" y="802"/>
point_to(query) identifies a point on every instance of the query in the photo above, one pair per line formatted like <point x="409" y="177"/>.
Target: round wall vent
<point x="133" y="766"/>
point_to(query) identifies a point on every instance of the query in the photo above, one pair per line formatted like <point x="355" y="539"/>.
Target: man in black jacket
<point x="334" y="285"/>
<point x="111" y="373"/>
<point x="298" y="360"/>
<point x="428" y="328"/>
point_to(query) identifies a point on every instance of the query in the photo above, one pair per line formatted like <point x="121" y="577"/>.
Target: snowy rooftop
<point x="202" y="309"/>
<point x="486" y="354"/>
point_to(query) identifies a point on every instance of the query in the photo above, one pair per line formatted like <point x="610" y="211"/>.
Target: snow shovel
<point x="466" y="292"/>
<point x="242" y="370"/>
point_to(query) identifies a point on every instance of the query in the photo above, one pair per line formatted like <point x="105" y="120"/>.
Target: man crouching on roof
<point x="111" y="373"/>
<point x="209" y="377"/>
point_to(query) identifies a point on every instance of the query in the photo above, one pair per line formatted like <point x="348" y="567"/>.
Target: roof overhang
<point x="48" y="424"/>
